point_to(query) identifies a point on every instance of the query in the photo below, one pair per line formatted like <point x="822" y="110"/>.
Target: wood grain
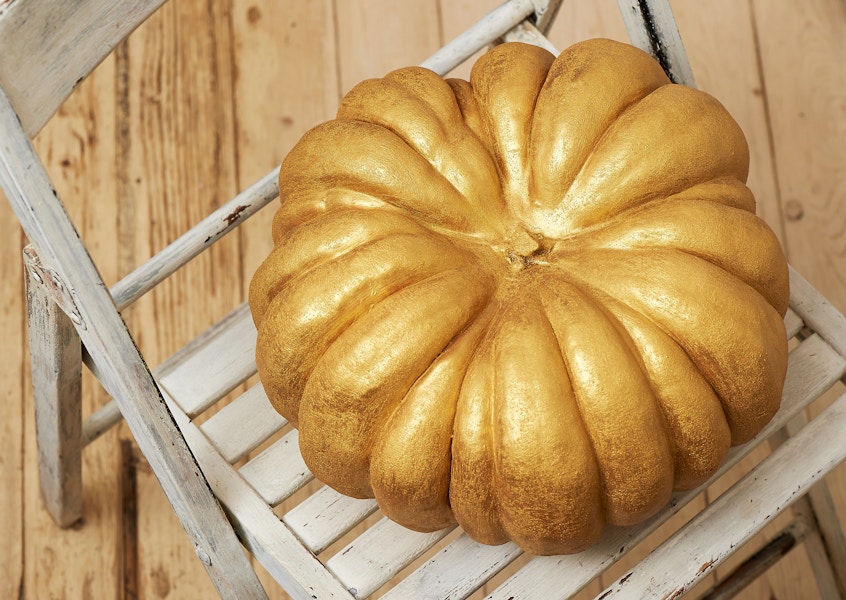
<point x="375" y="37"/>
<point x="806" y="95"/>
<point x="50" y="48"/>
<point x="176" y="163"/>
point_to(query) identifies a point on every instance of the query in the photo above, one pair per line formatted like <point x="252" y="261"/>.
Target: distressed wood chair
<point x="222" y="506"/>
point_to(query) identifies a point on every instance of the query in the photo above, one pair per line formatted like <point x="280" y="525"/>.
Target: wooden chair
<point x="46" y="49"/>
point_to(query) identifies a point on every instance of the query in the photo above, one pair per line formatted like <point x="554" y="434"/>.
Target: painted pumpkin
<point x="532" y="303"/>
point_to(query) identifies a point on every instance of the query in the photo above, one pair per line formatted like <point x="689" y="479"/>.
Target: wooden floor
<point x="209" y="95"/>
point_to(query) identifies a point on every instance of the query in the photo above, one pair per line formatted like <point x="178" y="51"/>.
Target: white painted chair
<point x="46" y="49"/>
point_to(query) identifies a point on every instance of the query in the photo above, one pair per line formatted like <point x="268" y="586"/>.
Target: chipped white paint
<point x="365" y="565"/>
<point x="223" y="354"/>
<point x="325" y="516"/>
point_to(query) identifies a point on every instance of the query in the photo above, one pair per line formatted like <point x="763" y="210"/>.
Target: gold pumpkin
<point x="531" y="304"/>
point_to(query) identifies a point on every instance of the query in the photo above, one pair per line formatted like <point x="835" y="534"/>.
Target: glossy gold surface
<point x="532" y="303"/>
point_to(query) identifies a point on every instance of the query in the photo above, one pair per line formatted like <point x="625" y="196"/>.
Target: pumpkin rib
<point x="580" y="66"/>
<point x="507" y="108"/>
<point x="285" y="368"/>
<point x="597" y="143"/>
<point x="652" y="203"/>
<point x="472" y="497"/>
<point x="696" y="458"/>
<point x="599" y="295"/>
<point x="630" y="319"/>
<point x="403" y="485"/>
<point x="437" y="130"/>
<point x="392" y="351"/>
<point x="626" y="253"/>
<point x="378" y="204"/>
<point x="635" y="465"/>
<point x="762" y="382"/>
<point x="388" y="169"/>
<point x="470" y="202"/>
<point x="739" y="196"/>
<point x="782" y="306"/>
<point x="635" y="351"/>
<point x="471" y="114"/>
<point x="697" y="194"/>
<point x="698" y="124"/>
<point x="674" y="225"/>
<point x="547" y="478"/>
<point x="325" y="239"/>
<point x="430" y="88"/>
<point x="414" y="149"/>
<point x="300" y="208"/>
<point x="569" y="373"/>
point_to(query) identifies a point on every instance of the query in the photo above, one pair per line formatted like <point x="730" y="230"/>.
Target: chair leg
<point x="56" y="357"/>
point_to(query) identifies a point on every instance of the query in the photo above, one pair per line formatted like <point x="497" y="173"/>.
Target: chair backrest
<point x="48" y="48"/>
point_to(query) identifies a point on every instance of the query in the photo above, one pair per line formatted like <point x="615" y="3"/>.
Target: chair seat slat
<point x="364" y="565"/>
<point x="279" y="471"/>
<point x="456" y="571"/>
<point x="260" y="530"/>
<point x="792" y="323"/>
<point x="243" y="424"/>
<point x="325" y="516"/>
<point x="213" y="364"/>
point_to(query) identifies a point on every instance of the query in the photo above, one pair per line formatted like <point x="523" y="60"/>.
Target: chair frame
<point x="73" y="319"/>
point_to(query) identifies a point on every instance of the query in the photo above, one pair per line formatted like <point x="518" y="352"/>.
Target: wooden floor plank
<point x="177" y="164"/>
<point x="377" y="37"/>
<point x="725" y="63"/>
<point x="800" y="48"/>
<point x="287" y="83"/>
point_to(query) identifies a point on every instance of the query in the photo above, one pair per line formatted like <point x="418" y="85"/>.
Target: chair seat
<point x="197" y="381"/>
